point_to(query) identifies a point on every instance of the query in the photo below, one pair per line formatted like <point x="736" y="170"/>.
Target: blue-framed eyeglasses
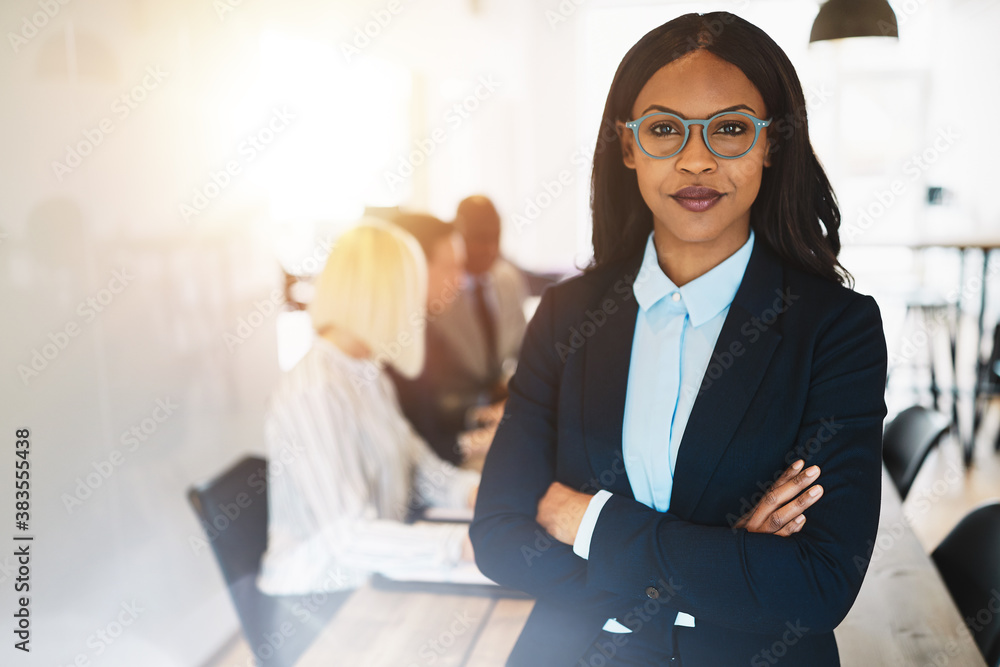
<point x="728" y="135"/>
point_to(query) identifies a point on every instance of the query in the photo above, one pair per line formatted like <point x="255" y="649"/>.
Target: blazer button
<point x="652" y="592"/>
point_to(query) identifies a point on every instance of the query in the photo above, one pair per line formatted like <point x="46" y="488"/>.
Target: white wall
<point x="113" y="528"/>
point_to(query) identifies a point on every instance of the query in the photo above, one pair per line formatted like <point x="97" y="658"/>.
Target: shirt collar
<point x="704" y="297"/>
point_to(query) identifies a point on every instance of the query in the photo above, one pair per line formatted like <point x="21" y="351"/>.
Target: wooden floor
<point x="941" y="495"/>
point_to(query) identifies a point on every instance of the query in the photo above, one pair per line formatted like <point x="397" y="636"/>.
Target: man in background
<point x="475" y="323"/>
<point x="486" y="324"/>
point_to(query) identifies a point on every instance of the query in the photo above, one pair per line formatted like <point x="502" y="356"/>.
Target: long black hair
<point x="795" y="210"/>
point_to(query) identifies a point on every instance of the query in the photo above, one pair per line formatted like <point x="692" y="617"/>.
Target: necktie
<point x="488" y="325"/>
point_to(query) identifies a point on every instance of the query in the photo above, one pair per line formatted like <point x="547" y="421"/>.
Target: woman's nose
<point x="695" y="157"/>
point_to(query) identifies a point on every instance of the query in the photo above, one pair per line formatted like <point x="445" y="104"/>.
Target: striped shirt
<point x="344" y="468"/>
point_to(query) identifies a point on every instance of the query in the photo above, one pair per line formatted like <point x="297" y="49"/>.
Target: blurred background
<point x="168" y="169"/>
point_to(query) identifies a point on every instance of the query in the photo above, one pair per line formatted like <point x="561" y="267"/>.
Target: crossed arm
<point x="743" y="578"/>
<point x="781" y="511"/>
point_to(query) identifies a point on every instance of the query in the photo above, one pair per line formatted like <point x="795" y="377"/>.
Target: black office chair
<point x="969" y="562"/>
<point x="907" y="441"/>
<point x="233" y="511"/>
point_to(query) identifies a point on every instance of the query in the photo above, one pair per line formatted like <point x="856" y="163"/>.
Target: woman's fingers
<point x="774" y="510"/>
<point x="791" y="511"/>
<point x="780" y="494"/>
<point x="793" y="526"/>
<point x="790" y="472"/>
<point x="786" y="476"/>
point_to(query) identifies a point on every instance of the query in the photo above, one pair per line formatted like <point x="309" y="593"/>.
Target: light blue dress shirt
<point x="675" y="334"/>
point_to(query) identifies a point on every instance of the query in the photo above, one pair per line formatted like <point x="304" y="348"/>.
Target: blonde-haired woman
<point x="345" y="465"/>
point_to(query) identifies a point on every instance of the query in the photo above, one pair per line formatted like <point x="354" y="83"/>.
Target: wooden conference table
<point x="903" y="617"/>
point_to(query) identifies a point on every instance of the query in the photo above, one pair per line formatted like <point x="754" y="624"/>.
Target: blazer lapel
<point x="607" y="353"/>
<point x="724" y="399"/>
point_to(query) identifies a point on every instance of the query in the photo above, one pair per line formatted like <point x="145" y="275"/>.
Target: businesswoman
<point x="344" y="464"/>
<point x="711" y="344"/>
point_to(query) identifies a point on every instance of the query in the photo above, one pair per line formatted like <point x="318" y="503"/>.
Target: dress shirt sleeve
<point x="581" y="546"/>
<point x="393" y="547"/>
<point x="327" y="491"/>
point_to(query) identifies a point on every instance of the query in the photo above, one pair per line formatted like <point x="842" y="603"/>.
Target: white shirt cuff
<point x="612" y="625"/>
<point x="685" y="620"/>
<point x="581" y="545"/>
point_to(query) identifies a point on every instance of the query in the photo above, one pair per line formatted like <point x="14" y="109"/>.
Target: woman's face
<point x="698" y="85"/>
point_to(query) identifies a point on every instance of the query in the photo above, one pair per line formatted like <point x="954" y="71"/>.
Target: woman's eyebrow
<point x="657" y="107"/>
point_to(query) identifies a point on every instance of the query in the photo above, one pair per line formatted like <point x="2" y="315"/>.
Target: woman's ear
<point x="626" y="139"/>
<point x="772" y="145"/>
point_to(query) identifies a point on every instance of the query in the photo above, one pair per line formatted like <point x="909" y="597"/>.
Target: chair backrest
<point x="233" y="512"/>
<point x="907" y="441"/>
<point x="232" y="509"/>
<point x="969" y="562"/>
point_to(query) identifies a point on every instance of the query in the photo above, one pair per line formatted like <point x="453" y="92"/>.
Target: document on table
<point x="465" y="572"/>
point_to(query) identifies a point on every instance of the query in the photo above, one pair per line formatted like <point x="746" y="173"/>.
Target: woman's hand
<point x="780" y="511"/>
<point x="467" y="552"/>
<point x="486" y="415"/>
<point x="561" y="510"/>
<point x="476" y="443"/>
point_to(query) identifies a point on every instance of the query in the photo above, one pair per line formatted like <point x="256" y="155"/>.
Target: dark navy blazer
<point x="798" y="372"/>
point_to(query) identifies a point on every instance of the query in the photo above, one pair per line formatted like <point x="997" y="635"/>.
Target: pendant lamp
<point x="838" y="19"/>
